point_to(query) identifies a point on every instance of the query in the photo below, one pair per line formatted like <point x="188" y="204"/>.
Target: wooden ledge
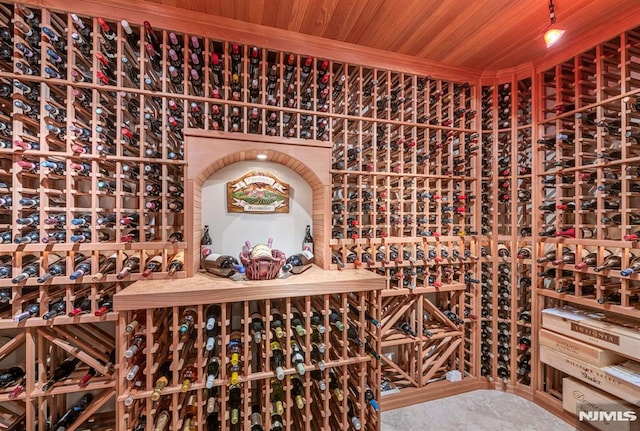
<point x="205" y="288"/>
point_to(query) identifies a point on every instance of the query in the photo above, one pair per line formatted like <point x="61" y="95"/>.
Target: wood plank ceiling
<point x="475" y="34"/>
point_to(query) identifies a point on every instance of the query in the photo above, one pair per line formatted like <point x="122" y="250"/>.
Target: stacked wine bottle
<point x="284" y="363"/>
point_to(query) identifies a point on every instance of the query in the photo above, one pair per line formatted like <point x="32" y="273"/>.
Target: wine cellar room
<point x="319" y="215"/>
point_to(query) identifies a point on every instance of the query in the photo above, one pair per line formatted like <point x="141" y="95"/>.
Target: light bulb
<point x="552" y="36"/>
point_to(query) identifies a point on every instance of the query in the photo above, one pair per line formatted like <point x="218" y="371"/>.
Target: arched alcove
<point x="208" y="152"/>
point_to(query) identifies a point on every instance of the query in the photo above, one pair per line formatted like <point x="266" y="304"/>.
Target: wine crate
<point x="585" y="352"/>
<point x="614" y="334"/>
<point x="591" y="374"/>
<point x="577" y="396"/>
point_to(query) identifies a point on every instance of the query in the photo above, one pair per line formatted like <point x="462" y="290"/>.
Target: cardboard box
<point x="619" y="335"/>
<point x="595" y="376"/>
<point x="577" y="396"/>
<point x="592" y="354"/>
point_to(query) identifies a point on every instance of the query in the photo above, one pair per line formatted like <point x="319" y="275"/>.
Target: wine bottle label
<point x="179" y="257"/>
<point x="587" y="233"/>
<point x="53" y="258"/>
<point x="205" y="251"/>
<point x="308" y="254"/>
<point x="212" y="257"/>
<point x="157" y="259"/>
<point x="307" y="246"/>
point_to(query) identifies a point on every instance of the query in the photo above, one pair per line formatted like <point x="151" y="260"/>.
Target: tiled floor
<point x="482" y="410"/>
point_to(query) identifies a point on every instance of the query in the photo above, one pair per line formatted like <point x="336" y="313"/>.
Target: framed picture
<point x="257" y="192"/>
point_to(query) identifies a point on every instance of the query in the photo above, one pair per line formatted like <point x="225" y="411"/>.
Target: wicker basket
<point x="263" y="268"/>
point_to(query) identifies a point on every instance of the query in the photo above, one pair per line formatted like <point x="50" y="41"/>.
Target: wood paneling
<point x="478" y="34"/>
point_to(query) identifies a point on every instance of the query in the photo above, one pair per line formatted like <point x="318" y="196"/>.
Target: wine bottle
<point x="189" y="318"/>
<point x="297" y="391"/>
<point x="10" y="376"/>
<point x="213" y="371"/>
<point x="153" y="265"/>
<point x="610" y="262"/>
<point x="277" y="396"/>
<point x="307" y="242"/>
<point x="277" y="323"/>
<point x="353" y="310"/>
<point x="61" y="372"/>
<point x="164" y="373"/>
<point x="205" y="243"/>
<point x="634" y="266"/>
<point x="297" y="357"/>
<point x="82" y="268"/>
<point x="234" y="347"/>
<point x="176" y="263"/>
<point x="56" y="308"/>
<point x="131" y="264"/>
<point x="299" y="262"/>
<point x="235" y="401"/>
<point x="105" y="305"/>
<point x="81" y="305"/>
<point x="317" y="322"/>
<point x="56" y="266"/>
<point x="352" y="335"/>
<point x="188" y="376"/>
<point x="335" y="385"/>
<point x="277" y="359"/>
<point x="336" y="319"/>
<point x="109" y="265"/>
<point x="405" y="327"/>
<point x="524" y="343"/>
<point x="29" y="269"/>
<point x="550" y="255"/>
<point x="190" y="411"/>
<point x="297" y="322"/>
<point x="163" y="416"/>
<point x="221" y="265"/>
<point x="71" y="415"/>
<point x="503" y="252"/>
<point x="138" y="318"/>
<point x="353" y="417"/>
<point x="571" y="233"/>
<point x="257" y="326"/>
<point x="138" y="343"/>
<point x="213" y="315"/>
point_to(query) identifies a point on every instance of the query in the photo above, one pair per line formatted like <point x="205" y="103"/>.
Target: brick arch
<point x="208" y="154"/>
<point x="273" y="156"/>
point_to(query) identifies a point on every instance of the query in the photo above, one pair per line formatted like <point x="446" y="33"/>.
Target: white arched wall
<point x="208" y="152"/>
<point x="229" y="230"/>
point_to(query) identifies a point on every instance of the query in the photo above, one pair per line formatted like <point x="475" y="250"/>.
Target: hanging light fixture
<point x="553" y="34"/>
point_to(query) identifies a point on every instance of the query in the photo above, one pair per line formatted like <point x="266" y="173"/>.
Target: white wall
<point x="229" y="231"/>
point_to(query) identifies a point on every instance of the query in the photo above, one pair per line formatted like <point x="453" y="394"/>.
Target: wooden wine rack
<point x="404" y="137"/>
<point x="507" y="118"/>
<point x="586" y="105"/>
<point x="412" y="135"/>
<point x="350" y="293"/>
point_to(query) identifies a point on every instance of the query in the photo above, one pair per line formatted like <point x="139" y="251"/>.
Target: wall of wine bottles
<point x="307" y="362"/>
<point x="120" y="94"/>
<point x="93" y="114"/>
<point x="507" y="119"/>
<point x="404" y="188"/>
<point x="585" y="246"/>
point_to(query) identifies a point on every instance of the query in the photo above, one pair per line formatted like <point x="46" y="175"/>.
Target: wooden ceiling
<point x="475" y="34"/>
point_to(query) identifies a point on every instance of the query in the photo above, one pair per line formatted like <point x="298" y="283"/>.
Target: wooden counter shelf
<point x="206" y="288"/>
